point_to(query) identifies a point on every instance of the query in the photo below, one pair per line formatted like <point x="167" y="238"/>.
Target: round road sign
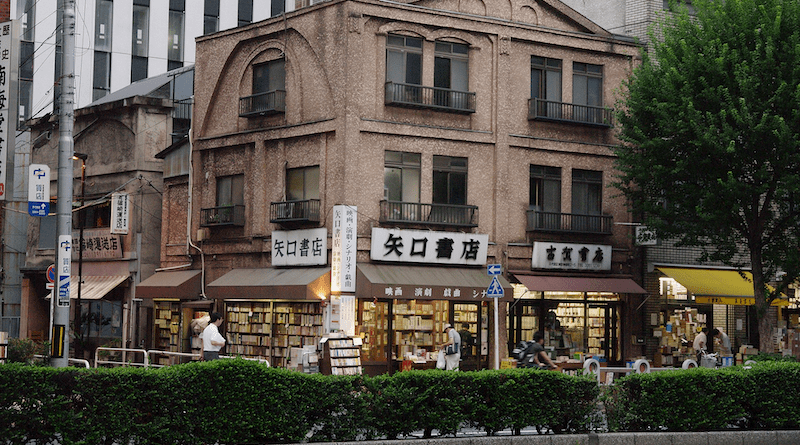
<point x="51" y="273"/>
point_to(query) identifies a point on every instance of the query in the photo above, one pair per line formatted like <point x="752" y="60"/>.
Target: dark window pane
<point x="138" y="68"/>
<point x="141" y="2"/>
<point x="210" y="25"/>
<point x="441" y="72"/>
<point x="26" y="60"/>
<point x="277" y="7"/>
<point x="25" y="90"/>
<point x="245" y="12"/>
<point x="211" y="8"/>
<point x="174" y="64"/>
<point x="175" y="43"/>
<point x="414" y="68"/>
<point x="102" y="26"/>
<point x="141" y="30"/>
<point x="102" y="74"/>
<point x="47" y="232"/>
<point x="177" y="5"/>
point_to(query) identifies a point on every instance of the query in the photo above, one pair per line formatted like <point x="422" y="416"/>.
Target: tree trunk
<point x="765" y="326"/>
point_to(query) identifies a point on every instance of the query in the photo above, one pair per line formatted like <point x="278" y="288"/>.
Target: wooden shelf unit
<point x="342" y="356"/>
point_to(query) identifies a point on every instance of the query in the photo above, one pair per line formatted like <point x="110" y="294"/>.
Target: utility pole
<point x="60" y="347"/>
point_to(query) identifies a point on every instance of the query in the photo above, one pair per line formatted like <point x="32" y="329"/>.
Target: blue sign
<point x="495" y="290"/>
<point x="63" y="290"/>
<point x="494" y="269"/>
<point x="38" y="208"/>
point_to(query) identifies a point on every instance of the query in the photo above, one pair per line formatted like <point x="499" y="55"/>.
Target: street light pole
<point x="81" y="224"/>
<point x="60" y="347"/>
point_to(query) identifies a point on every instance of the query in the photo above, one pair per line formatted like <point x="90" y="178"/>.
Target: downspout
<point x="189" y="242"/>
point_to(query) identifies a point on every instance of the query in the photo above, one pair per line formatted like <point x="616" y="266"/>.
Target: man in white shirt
<point x="724" y="340"/>
<point x="700" y="342"/>
<point x="213" y="341"/>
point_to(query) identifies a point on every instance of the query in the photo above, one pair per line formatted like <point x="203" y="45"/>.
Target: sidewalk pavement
<point x="667" y="438"/>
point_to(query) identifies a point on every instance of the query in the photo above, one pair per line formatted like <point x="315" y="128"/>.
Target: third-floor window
<point x="449" y="180"/>
<point x="587" y="189"/>
<point x="404" y="59"/>
<point x="545" y="188"/>
<point x="401" y="176"/>
<point x="546" y="78"/>
<point x="587" y="84"/>
<point x="269" y="76"/>
<point x="302" y="183"/>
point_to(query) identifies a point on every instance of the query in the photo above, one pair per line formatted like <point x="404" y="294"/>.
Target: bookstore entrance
<point x="572" y="323"/>
<point x="402" y="311"/>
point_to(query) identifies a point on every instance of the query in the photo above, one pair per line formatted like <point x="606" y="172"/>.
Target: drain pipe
<point x="189" y="221"/>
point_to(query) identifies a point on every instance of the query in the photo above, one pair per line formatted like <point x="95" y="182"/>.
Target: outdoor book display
<point x="269" y="329"/>
<point x="418" y="326"/>
<point x="342" y="356"/>
<point x="167" y="327"/>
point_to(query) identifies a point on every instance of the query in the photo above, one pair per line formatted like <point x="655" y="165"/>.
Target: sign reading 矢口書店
<point x="300" y="247"/>
<point x="422" y="246"/>
<point x="571" y="256"/>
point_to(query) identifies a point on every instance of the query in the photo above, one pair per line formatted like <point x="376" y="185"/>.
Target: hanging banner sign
<point x="343" y="251"/>
<point x="6" y="51"/>
<point x="119" y="213"/>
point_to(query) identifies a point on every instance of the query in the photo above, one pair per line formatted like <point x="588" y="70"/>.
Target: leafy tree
<point x="710" y="124"/>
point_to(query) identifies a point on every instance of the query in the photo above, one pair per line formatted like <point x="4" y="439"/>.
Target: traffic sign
<point x="51" y="273"/>
<point x="494" y="269"/>
<point x="495" y="290"/>
<point x="38" y="190"/>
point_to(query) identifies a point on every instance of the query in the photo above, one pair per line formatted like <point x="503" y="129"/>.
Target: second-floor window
<point x="401" y="176"/>
<point x="449" y="180"/>
<point x="302" y="183"/>
<point x="269" y="76"/>
<point x="587" y="84"/>
<point x="404" y="59"/>
<point x="545" y="188"/>
<point x="230" y="190"/>
<point x="587" y="188"/>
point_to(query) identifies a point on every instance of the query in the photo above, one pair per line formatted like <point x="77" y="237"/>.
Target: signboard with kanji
<point x="425" y="246"/>
<point x="571" y="256"/>
<point x="300" y="247"/>
<point x="38" y="190"/>
<point x="119" y="213"/>
<point x="6" y="51"/>
<point x="343" y="251"/>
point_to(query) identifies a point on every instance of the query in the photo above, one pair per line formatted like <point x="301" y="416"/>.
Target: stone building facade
<point x="482" y="122"/>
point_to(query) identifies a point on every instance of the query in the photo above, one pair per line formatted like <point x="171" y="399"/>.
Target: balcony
<point x="428" y="214"/>
<point x="294" y="212"/>
<point x="181" y="119"/>
<point x="418" y="96"/>
<point x="263" y="104"/>
<point x="548" y="110"/>
<point x="539" y="221"/>
<point x="230" y="215"/>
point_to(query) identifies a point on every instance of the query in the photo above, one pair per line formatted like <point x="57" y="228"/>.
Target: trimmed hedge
<point x="243" y="402"/>
<point x="766" y="396"/>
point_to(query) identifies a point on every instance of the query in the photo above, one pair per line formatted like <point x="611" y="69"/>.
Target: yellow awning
<point x="718" y="283"/>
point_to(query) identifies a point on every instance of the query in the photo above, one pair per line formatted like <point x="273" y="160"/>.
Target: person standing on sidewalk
<point x="213" y="341"/>
<point x="451" y="349"/>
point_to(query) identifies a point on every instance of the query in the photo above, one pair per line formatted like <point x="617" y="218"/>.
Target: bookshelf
<point x="418" y="325"/>
<point x="342" y="356"/>
<point x="467" y="313"/>
<point x="167" y="323"/>
<point x="374" y="330"/>
<point x="269" y="329"/>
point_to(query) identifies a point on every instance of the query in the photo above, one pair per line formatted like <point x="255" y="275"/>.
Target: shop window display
<point x="418" y="326"/>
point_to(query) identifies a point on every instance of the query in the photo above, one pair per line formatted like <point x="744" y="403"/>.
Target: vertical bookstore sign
<point x="343" y="251"/>
<point x="119" y="210"/>
<point x="6" y="49"/>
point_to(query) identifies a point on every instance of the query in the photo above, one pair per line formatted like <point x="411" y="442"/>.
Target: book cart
<point x="341" y="356"/>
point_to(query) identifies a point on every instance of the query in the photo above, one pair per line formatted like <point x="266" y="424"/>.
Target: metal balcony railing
<point x="231" y="215"/>
<point x="263" y="104"/>
<point x="428" y="214"/>
<point x="539" y="221"/>
<point x="548" y="110"/>
<point x="303" y="211"/>
<point x="418" y="96"/>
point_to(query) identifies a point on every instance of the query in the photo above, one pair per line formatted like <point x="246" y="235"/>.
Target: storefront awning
<point x="298" y="283"/>
<point x="182" y="284"/>
<point x="425" y="282"/>
<point x="717" y="283"/>
<point x="94" y="287"/>
<point x="538" y="283"/>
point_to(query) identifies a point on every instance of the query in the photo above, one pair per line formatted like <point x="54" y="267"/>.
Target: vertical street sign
<point x="38" y="190"/>
<point x="63" y="269"/>
<point x="6" y="48"/>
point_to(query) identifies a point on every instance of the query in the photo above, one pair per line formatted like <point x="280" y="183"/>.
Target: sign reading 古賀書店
<point x="571" y="256"/>
<point x="300" y="247"/>
<point x="119" y="213"/>
<point x="422" y="246"/>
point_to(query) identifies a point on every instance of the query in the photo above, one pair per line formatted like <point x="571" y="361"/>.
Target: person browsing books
<point x="453" y="346"/>
<point x="213" y="341"/>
